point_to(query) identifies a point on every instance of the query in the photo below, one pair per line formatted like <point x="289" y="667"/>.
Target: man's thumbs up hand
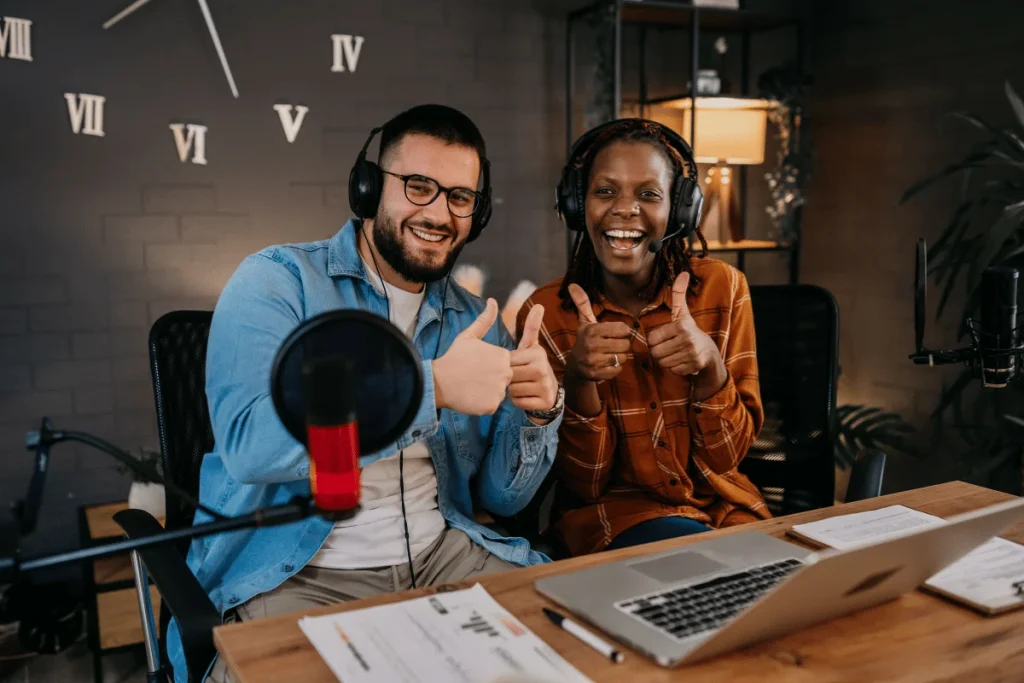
<point x="533" y="385"/>
<point x="478" y="328"/>
<point x="531" y="328"/>
<point x="471" y="378"/>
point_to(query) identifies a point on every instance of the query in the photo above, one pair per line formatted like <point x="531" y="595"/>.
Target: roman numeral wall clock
<point x="190" y="142"/>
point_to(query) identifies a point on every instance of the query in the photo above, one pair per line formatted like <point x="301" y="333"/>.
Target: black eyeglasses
<point x="421" y="191"/>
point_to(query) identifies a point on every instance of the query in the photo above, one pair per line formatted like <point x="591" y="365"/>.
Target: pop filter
<point x="385" y="380"/>
<point x="920" y="292"/>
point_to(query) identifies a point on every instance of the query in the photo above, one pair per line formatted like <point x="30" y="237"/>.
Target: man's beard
<point x="388" y="241"/>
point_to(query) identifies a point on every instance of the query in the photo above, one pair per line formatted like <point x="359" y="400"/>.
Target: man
<point x="486" y="429"/>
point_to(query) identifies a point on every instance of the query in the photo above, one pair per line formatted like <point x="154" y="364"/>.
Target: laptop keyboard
<point x="683" y="612"/>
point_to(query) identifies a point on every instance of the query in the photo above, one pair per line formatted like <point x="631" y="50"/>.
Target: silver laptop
<point x="698" y="601"/>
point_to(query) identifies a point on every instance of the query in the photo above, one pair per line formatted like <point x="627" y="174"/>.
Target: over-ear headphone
<point x="687" y="197"/>
<point x="366" y="182"/>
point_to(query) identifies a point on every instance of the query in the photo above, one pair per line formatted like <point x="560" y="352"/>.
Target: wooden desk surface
<point x="916" y="638"/>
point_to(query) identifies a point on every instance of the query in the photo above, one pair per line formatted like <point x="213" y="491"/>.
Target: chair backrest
<point x="177" y="357"/>
<point x="797" y="328"/>
<point x="177" y="354"/>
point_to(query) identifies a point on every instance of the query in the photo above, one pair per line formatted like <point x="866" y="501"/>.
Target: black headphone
<point x="687" y="197"/>
<point x="366" y="182"/>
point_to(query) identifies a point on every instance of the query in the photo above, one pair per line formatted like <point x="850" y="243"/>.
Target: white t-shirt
<point x="375" y="537"/>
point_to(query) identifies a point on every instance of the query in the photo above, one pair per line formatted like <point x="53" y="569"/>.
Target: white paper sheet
<point x="849" y="531"/>
<point x="459" y="636"/>
<point x="983" y="578"/>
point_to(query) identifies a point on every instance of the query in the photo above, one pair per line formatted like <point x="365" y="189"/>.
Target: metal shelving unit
<point x="681" y="15"/>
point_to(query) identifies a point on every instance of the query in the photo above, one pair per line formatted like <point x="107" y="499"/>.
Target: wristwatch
<point x="553" y="412"/>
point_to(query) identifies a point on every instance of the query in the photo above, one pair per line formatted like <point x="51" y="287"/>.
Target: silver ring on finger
<point x="615" y="358"/>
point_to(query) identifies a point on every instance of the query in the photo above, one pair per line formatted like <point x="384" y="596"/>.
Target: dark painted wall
<point x="101" y="235"/>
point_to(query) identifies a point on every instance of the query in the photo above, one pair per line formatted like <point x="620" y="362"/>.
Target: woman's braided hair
<point x="675" y="255"/>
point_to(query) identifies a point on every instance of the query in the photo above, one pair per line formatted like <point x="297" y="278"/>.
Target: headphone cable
<point x="401" y="453"/>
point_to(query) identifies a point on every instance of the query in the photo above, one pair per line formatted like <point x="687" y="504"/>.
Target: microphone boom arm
<point x="40" y="440"/>
<point x="299" y="508"/>
<point x="932" y="357"/>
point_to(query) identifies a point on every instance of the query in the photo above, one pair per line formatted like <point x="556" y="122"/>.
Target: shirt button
<point x="531" y="438"/>
<point x="662" y="444"/>
<point x="416" y="434"/>
<point x="673" y="482"/>
<point x="288" y="567"/>
<point x="654" y="406"/>
<point x="233" y="599"/>
<point x="696" y="409"/>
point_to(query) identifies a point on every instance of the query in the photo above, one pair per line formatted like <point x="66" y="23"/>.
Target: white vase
<point x="148" y="497"/>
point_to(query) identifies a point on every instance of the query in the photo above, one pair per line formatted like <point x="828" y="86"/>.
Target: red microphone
<point x="333" y="433"/>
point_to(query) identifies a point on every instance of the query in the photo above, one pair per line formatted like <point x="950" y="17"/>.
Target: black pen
<point x="583" y="634"/>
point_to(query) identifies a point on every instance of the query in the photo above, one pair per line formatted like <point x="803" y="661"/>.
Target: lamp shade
<point x="730" y="130"/>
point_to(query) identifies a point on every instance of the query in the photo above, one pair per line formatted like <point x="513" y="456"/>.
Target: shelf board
<point x="668" y="13"/>
<point x="708" y="101"/>
<point x="745" y="245"/>
<point x="100" y="520"/>
<point x="119" y="619"/>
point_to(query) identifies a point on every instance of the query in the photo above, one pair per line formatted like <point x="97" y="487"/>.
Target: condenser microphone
<point x="998" y="322"/>
<point x="332" y="433"/>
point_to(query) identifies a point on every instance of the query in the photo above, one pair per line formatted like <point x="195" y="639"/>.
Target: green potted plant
<point x="863" y="427"/>
<point x="985" y="229"/>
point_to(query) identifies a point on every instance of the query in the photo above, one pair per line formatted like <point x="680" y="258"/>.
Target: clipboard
<point x="989" y="579"/>
<point x="1003" y="592"/>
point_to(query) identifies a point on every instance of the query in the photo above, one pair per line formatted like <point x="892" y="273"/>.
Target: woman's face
<point x="627" y="205"/>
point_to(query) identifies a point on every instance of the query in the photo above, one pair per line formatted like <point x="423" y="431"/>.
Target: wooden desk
<point x="918" y="637"/>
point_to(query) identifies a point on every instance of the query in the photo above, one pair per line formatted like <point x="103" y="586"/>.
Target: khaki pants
<point x="452" y="557"/>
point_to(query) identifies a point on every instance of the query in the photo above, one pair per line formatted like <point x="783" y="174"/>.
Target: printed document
<point x="990" y="578"/>
<point x="453" y="637"/>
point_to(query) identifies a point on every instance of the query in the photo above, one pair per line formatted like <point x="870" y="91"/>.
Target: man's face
<point x="421" y="243"/>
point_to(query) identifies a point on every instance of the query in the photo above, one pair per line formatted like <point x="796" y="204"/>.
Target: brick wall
<point x="885" y="73"/>
<point x="100" y="236"/>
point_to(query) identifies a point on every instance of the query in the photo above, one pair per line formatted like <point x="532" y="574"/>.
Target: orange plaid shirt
<point x="652" y="452"/>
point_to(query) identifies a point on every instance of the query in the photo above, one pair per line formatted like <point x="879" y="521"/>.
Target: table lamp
<point x="730" y="131"/>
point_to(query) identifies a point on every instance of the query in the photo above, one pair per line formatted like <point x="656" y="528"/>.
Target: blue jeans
<point x="657" y="530"/>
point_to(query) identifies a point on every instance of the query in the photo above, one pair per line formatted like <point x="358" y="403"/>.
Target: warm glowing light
<point x="730" y="130"/>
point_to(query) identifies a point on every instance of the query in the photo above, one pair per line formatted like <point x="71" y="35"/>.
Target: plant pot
<point x="148" y="497"/>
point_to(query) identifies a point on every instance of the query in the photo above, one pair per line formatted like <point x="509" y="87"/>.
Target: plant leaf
<point x="951" y="395"/>
<point x="995" y="237"/>
<point x="952" y="229"/>
<point x="1015" y="103"/>
<point x="953" y="255"/>
<point x="959" y="261"/>
<point x="1007" y="142"/>
<point x="973" y="160"/>
<point x="869" y="427"/>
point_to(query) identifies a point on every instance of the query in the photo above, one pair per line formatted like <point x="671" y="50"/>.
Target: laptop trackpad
<point x="678" y="567"/>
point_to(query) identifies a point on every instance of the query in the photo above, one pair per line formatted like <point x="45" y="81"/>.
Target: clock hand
<point x="124" y="13"/>
<point x="216" y="44"/>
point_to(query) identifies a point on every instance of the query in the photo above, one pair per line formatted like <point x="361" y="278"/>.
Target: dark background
<point x="99" y="236"/>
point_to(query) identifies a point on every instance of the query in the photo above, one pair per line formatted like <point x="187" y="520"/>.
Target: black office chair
<point x="177" y="352"/>
<point x="793" y="459"/>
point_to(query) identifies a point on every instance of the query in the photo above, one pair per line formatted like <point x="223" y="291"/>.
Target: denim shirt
<point x="500" y="459"/>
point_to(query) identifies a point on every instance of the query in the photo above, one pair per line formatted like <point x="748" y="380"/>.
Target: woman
<point x="655" y="348"/>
